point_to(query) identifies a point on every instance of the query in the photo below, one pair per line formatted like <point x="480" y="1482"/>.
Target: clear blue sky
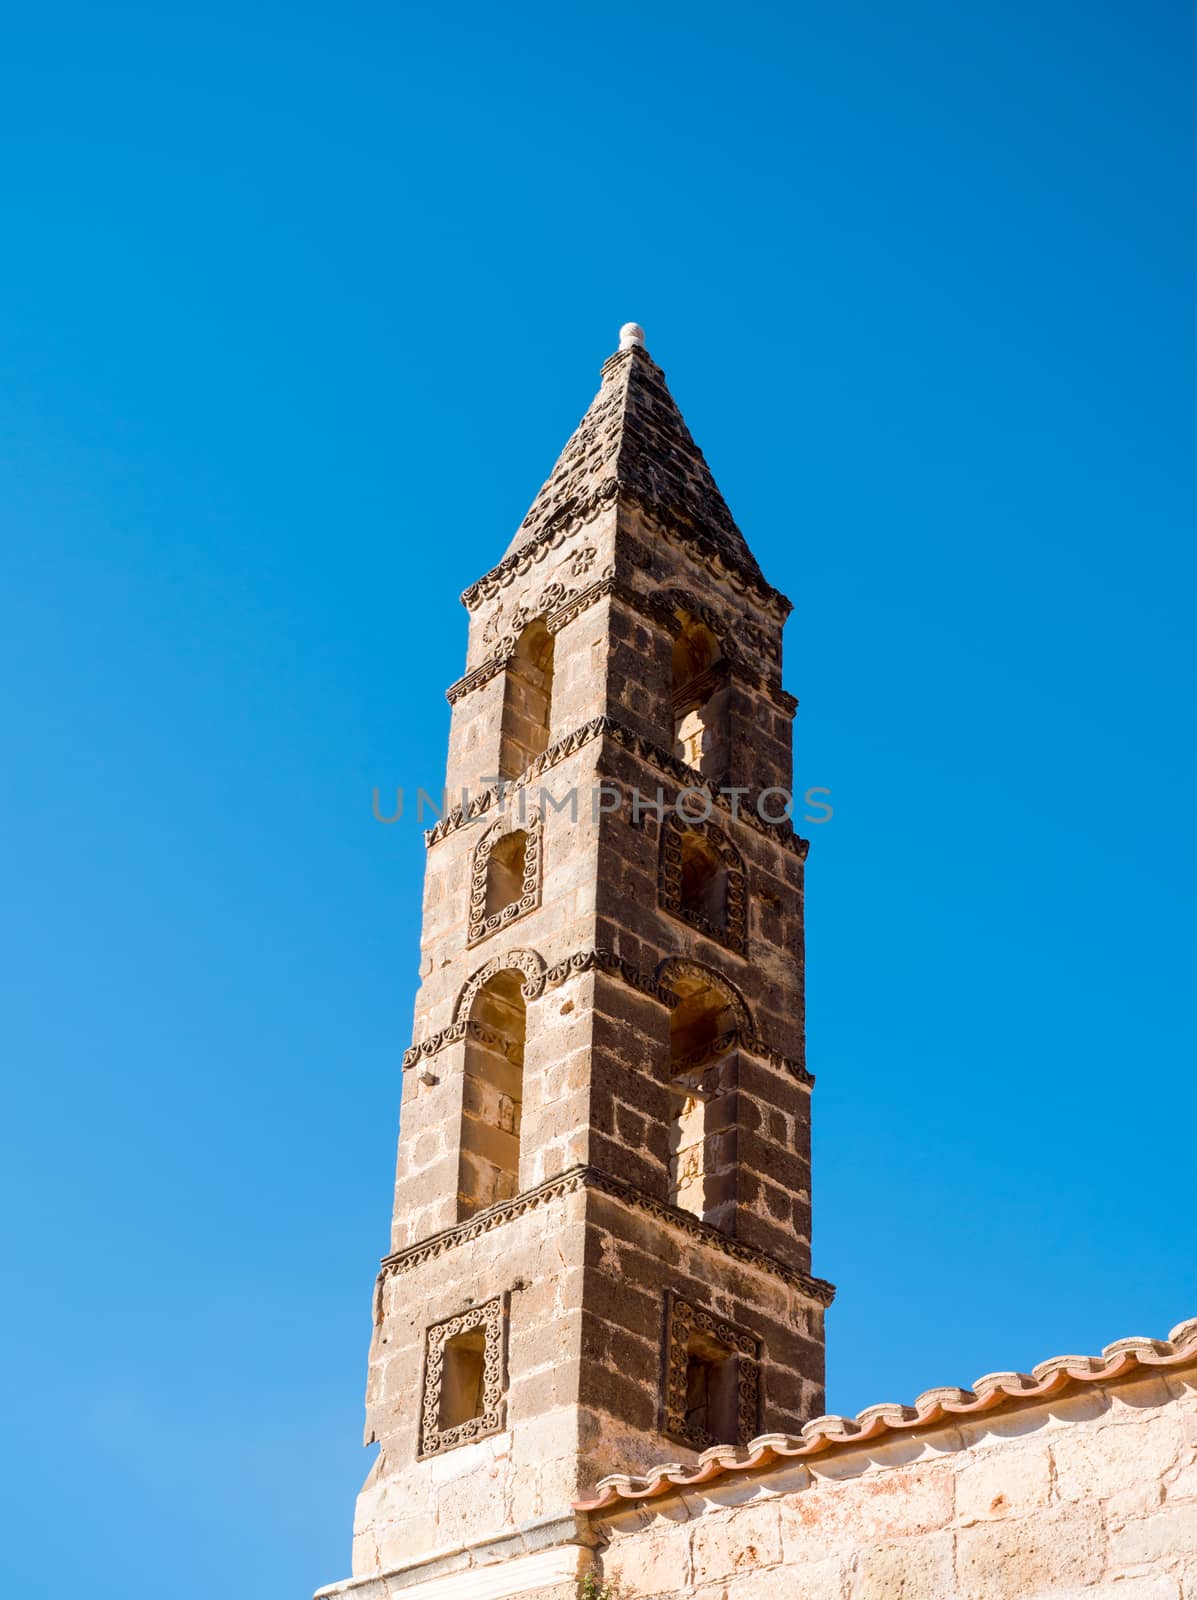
<point x="297" y="305"/>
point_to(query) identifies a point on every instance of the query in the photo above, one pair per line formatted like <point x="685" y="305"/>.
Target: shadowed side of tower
<point x="601" y="1239"/>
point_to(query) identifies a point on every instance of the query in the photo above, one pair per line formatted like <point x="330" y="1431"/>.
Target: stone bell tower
<point x="600" y="1254"/>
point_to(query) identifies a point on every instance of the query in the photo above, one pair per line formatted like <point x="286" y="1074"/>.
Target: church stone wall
<point x="1092" y="1496"/>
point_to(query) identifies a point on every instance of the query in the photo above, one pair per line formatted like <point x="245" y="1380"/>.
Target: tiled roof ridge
<point x="993" y="1391"/>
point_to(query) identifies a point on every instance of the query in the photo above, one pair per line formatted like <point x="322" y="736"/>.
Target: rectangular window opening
<point x="712" y="1389"/>
<point x="462" y="1379"/>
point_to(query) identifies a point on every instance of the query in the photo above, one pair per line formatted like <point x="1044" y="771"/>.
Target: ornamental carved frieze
<point x="525" y="961"/>
<point x="488" y="1320"/>
<point x="673" y="602"/>
<point x="586" y="1178"/>
<point x="682" y="1320"/>
<point x="556" y="605"/>
<point x="660" y="521"/>
<point x="480" y="925"/>
<point x="536" y="980"/>
<point x="607" y="961"/>
<point x="559" y="605"/>
<point x="516" y="564"/>
<point x="733" y="931"/>
<point x="745" y="807"/>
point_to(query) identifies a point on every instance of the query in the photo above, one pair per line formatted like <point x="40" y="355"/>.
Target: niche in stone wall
<point x="527" y="701"/>
<point x="702" y="880"/>
<point x="505" y="871"/>
<point x="463" y="1378"/>
<point x="703" y="1037"/>
<point x="701" y="694"/>
<point x="711" y="1384"/>
<point x="492" y="1095"/>
<point x="504" y="875"/>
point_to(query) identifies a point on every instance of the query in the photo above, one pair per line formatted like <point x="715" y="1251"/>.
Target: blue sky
<point x="298" y="305"/>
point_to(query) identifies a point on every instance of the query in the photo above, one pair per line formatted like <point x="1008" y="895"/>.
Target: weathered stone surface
<point x="1125" y="1453"/>
<point x="1004" y="1483"/>
<point x="1165" y="1535"/>
<point x="826" y="1579"/>
<point x="724" y="1546"/>
<point x="914" y="1569"/>
<point x="870" y="1509"/>
<point x="1013" y="1559"/>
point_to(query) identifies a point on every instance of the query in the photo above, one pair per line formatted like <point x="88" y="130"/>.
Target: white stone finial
<point x="630" y="335"/>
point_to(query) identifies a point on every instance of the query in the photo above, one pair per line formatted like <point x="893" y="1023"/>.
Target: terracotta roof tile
<point x="995" y="1391"/>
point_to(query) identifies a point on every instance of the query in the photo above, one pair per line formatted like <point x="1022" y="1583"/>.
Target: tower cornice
<point x="687" y="777"/>
<point x="591" y="1178"/>
<point x="740" y="576"/>
<point x="655" y="607"/>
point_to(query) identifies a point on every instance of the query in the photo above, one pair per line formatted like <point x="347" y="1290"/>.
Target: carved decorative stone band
<point x="591" y="1179"/>
<point x="519" y="562"/>
<point x="536" y="980"/>
<point x="733" y="931"/>
<point x="525" y="961"/>
<point x="752" y="1045"/>
<point x="687" y="777"/>
<point x="663" y="521"/>
<point x="481" y="925"/>
<point x="669" y="603"/>
<point x="607" y="961"/>
<point x="658" y="986"/>
<point x="487" y="1321"/>
<point x="558" y="606"/>
<point x="682" y="1321"/>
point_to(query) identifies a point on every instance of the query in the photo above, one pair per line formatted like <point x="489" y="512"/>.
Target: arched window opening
<point x="703" y="1025"/>
<point x="703" y="882"/>
<point x="527" y="701"/>
<point x="505" y="871"/>
<point x="701" y="1139"/>
<point x="700" y="701"/>
<point x="492" y="1096"/>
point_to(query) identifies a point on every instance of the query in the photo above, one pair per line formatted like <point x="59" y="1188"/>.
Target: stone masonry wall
<point x="1091" y="1496"/>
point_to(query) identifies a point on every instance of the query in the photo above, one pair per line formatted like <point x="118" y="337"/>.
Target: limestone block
<point x="1163" y="1536"/>
<point x="748" y="1538"/>
<point x="1019" y="1557"/>
<point x="394" y="1542"/>
<point x="870" y="1509"/>
<point x="1183" y="1485"/>
<point x="826" y="1579"/>
<point x="912" y="1569"/>
<point x="1003" y="1483"/>
<point x="1159" y="1586"/>
<point x="1139" y="1501"/>
<point x="1115" y="1455"/>
<point x="652" y="1564"/>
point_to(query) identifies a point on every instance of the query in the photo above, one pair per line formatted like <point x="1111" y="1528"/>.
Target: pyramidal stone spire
<point x="633" y="445"/>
